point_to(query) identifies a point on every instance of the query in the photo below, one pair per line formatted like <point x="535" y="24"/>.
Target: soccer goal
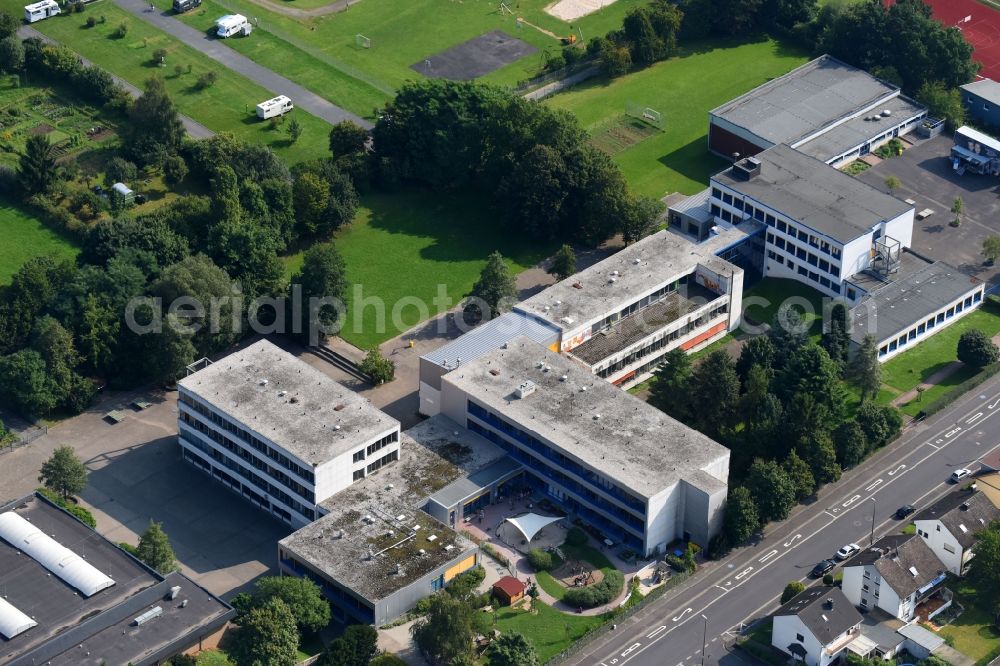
<point x="645" y="114"/>
<point x="362" y="42"/>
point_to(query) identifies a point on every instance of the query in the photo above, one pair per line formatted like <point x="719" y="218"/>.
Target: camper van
<point x="181" y="6"/>
<point x="278" y="106"/>
<point x="232" y="24"/>
<point x="40" y="10"/>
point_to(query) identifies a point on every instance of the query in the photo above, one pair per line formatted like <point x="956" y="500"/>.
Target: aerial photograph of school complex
<point x="500" y="332"/>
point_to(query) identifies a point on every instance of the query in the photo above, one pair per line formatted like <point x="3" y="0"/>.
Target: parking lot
<point x="927" y="178"/>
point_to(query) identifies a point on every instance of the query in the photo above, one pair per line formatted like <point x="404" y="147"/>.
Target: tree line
<point x="781" y="408"/>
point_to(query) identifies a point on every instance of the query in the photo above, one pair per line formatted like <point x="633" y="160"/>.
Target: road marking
<point x="721" y="588"/>
<point x="743" y="573"/>
<point x="978" y="415"/>
<point x="631" y="648"/>
<point x="832" y="515"/>
<point x="795" y="538"/>
<point x="953" y="432"/>
<point x="683" y="613"/>
<point x="874" y="485"/>
<point x="993" y="405"/>
<point x="662" y="627"/>
<point x="851" y="501"/>
<point x="898" y="469"/>
<point x="768" y="556"/>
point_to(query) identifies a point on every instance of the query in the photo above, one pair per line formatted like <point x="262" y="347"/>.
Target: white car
<point x="847" y="551"/>
<point x="960" y="474"/>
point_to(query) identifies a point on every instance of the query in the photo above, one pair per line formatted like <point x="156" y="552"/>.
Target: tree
<point x="303" y="597"/>
<point x="11" y="54"/>
<point x="715" y="389"/>
<point x="984" y="569"/>
<point x="991" y="248"/>
<point x="154" y="129"/>
<point x="668" y="391"/>
<point x="154" y="549"/>
<point x="564" y="262"/>
<point x="446" y="631"/>
<point x="742" y="518"/>
<point x="388" y="659"/>
<point x="892" y="184"/>
<point x="864" y="370"/>
<point x="377" y="367"/>
<point x="646" y="46"/>
<point x="199" y="279"/>
<point x="495" y="290"/>
<point x="791" y="590"/>
<point x="809" y="371"/>
<point x="152" y="235"/>
<point x="267" y="637"/>
<point x="37" y="165"/>
<point x="357" y="646"/>
<point x="8" y="25"/>
<point x="639" y="219"/>
<point x="175" y="170"/>
<point x="347" y="139"/>
<point x="64" y="473"/>
<point x="943" y="102"/>
<point x="615" y="60"/>
<point x="757" y="351"/>
<point x="120" y="170"/>
<point x="294" y="130"/>
<point x="880" y="424"/>
<point x="772" y="490"/>
<point x="819" y="452"/>
<point x="800" y="475"/>
<point x="849" y="441"/>
<point x="512" y="649"/>
<point x="837" y="340"/>
<point x="311" y="196"/>
<point x="976" y="349"/>
<point x="25" y="384"/>
<point x="97" y="334"/>
<point x="322" y="276"/>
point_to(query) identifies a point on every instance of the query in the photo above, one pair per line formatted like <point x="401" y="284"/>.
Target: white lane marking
<point x="874" y="485"/>
<point x="768" y="556"/>
<point x="832" y="515"/>
<point x="978" y="415"/>
<point x="953" y="432"/>
<point x="743" y="573"/>
<point x="789" y="543"/>
<point x="993" y="405"/>
<point x="851" y="501"/>
<point x="631" y="648"/>
<point x="723" y="588"/>
<point x="898" y="469"/>
<point x="662" y="627"/>
<point x="683" y="613"/>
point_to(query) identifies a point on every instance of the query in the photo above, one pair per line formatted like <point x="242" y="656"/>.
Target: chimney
<point x="828" y="604"/>
<point x="746" y="169"/>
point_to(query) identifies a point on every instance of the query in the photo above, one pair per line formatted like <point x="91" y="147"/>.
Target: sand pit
<point x="570" y="10"/>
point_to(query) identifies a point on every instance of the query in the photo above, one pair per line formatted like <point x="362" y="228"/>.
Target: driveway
<point x="927" y="178"/>
<point x="225" y="56"/>
<point x="194" y="129"/>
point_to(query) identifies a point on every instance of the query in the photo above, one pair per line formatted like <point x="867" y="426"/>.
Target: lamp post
<point x="871" y="541"/>
<point x="704" y="640"/>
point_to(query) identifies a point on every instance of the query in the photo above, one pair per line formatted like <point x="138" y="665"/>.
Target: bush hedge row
<point x="599" y="594"/>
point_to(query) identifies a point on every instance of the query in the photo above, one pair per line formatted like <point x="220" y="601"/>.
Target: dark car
<point x="140" y="198"/>
<point x="824" y="567"/>
<point x="904" y="511"/>
<point x="181" y="6"/>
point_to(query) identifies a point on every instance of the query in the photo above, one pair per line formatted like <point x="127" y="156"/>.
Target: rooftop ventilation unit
<point x="401" y="517"/>
<point x="282" y="394"/>
<point x="422" y="551"/>
<point x="151" y="614"/>
<point x="913" y="571"/>
<point x="612" y="279"/>
<point x="886" y="113"/>
<point x="526" y="388"/>
<point x="263" y="382"/>
<point x="747" y="168"/>
<point x="449" y="547"/>
<point x="636" y="261"/>
<point x="432" y="538"/>
<point x="564" y="378"/>
<point x="368" y="520"/>
<point x="174" y="591"/>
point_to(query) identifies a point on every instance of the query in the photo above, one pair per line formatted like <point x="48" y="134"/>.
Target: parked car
<point x="823" y="568"/>
<point x="141" y="198"/>
<point x="847" y="551"/>
<point x="960" y="474"/>
<point x="904" y="511"/>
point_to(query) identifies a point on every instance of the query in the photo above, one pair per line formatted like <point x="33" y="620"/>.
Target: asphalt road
<point x="214" y="48"/>
<point x="193" y="128"/>
<point x="746" y="585"/>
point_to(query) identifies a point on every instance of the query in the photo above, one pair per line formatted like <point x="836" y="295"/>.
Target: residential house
<point x="816" y="626"/>
<point x="949" y="526"/>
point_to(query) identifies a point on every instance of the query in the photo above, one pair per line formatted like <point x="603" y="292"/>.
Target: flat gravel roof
<point x="857" y="131"/>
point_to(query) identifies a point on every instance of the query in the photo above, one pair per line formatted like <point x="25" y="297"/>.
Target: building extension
<point x="949" y="526"/>
<point x="816" y="626"/>
<point x="597" y="452"/>
<point x="279" y="432"/>
<point x="72" y="598"/>
<point x="975" y="152"/>
<point x="982" y="102"/>
<point x="826" y="109"/>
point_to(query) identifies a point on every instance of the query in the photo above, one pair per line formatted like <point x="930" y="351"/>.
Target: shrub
<point x="78" y="7"/>
<point x="492" y="552"/>
<point x="599" y="594"/>
<point x="121" y="30"/>
<point x="422" y="606"/>
<point x="576" y="537"/>
<point x="78" y="512"/>
<point x="975" y="349"/>
<point x="539" y="559"/>
<point x="828" y="580"/>
<point x="91" y="22"/>
<point x="159" y="55"/>
<point x="206" y="80"/>
<point x="676" y="563"/>
<point x="466" y="582"/>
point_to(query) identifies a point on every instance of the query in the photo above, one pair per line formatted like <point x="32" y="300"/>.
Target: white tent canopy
<point x="531" y="524"/>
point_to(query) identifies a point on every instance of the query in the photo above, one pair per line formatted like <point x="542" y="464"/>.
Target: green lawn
<point x="226" y="106"/>
<point x="26" y="237"/>
<point x="684" y="90"/>
<point x="549" y="630"/>
<point x="914" y="366"/>
<point x="588" y="554"/>
<point x="762" y="302"/>
<point x="972" y="633"/>
<point x="550" y="584"/>
<point x="403" y="246"/>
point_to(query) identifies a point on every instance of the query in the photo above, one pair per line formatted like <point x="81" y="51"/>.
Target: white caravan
<point x="232" y="24"/>
<point x="40" y="10"/>
<point x="278" y="106"/>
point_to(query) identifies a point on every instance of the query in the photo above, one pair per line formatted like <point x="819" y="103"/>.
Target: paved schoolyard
<point x="926" y="174"/>
<point x="136" y="474"/>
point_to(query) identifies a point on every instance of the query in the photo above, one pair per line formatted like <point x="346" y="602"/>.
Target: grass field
<point x="402" y="246"/>
<point x="406" y="32"/>
<point x="549" y="630"/>
<point x="226" y="106"/>
<point x="972" y="633"/>
<point x="772" y="293"/>
<point x="25" y="237"/>
<point x="684" y="90"/>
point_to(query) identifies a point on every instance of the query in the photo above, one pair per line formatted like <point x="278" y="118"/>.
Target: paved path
<point x="934" y="380"/>
<point x="193" y="127"/>
<point x="227" y="57"/>
<point x="331" y="8"/>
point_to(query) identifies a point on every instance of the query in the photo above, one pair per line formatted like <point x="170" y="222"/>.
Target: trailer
<point x="278" y="106"/>
<point x="181" y="6"/>
<point x="975" y="152"/>
<point x="40" y="10"/>
<point x="232" y="24"/>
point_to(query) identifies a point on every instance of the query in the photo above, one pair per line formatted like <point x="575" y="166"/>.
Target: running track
<point x="983" y="31"/>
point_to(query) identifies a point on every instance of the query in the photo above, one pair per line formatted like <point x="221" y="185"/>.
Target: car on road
<point x="960" y="474"/>
<point x="847" y="551"/>
<point x="823" y="568"/>
<point x="904" y="511"/>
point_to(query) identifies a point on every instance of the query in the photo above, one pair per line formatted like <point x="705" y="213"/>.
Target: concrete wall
<point x="725" y="138"/>
<point x="901" y="228"/>
<point x="979" y="109"/>
<point x="337" y="474"/>
<point x="889" y="342"/>
<point x="664" y="514"/>
<point x="402" y="600"/>
<point x="940" y="540"/>
<point x="703" y="513"/>
<point x="785" y="630"/>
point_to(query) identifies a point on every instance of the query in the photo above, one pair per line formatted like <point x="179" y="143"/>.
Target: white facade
<point x="944" y="544"/>
<point x="896" y="342"/>
<point x="865" y="588"/>
<point x="40" y="10"/>
<point x="789" y="629"/>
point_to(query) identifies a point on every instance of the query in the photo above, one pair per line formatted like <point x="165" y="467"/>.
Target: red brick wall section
<point x="726" y="143"/>
<point x="694" y="342"/>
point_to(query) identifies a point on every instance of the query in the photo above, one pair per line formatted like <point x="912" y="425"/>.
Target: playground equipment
<point x="362" y="42"/>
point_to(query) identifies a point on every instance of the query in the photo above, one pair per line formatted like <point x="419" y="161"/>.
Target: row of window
<point x="640" y="304"/>
<point x="806" y="273"/>
<point x="237" y="485"/>
<point x="923" y="327"/>
<point x="375" y="446"/>
<point x="243" y="453"/>
<point x="802" y="254"/>
<point x="392" y="456"/>
<point x="243" y="434"/>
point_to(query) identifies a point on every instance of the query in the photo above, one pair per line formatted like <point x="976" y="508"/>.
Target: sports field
<point x="982" y="30"/>
<point x="683" y="90"/>
<point x="225" y="106"/>
<point x="403" y="245"/>
<point x="26" y="237"/>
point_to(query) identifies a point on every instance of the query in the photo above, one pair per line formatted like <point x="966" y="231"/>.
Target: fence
<point x="958" y="391"/>
<point x="26" y="437"/>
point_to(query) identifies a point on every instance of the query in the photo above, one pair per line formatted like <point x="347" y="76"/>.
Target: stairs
<point x="340" y="362"/>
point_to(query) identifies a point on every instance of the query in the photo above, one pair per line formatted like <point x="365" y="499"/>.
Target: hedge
<point x="539" y="559"/>
<point x="959" y="390"/>
<point x="596" y="595"/>
<point x="78" y="512"/>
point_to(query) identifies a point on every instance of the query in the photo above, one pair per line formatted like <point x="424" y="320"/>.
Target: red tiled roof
<point x="509" y="585"/>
